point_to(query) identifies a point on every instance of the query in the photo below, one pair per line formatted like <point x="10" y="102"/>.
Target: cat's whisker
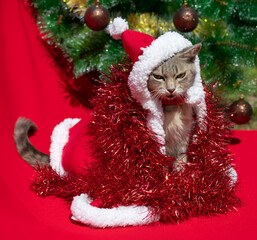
<point x="156" y="94"/>
<point x="180" y="97"/>
<point x="157" y="97"/>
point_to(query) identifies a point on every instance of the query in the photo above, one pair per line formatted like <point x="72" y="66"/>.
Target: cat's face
<point x="174" y="77"/>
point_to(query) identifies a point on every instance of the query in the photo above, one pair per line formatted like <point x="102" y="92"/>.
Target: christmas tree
<point x="227" y="30"/>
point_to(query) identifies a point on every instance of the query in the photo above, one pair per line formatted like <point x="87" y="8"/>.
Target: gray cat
<point x="168" y="82"/>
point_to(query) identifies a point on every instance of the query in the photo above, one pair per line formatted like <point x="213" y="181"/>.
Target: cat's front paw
<point x="180" y="163"/>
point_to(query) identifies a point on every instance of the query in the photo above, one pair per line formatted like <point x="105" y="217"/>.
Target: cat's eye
<point x="181" y="75"/>
<point x="159" y="77"/>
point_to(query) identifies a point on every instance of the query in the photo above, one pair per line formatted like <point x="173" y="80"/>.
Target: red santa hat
<point x="132" y="41"/>
<point x="147" y="53"/>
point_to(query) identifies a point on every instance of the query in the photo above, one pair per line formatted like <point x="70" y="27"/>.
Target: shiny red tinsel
<point x="129" y="168"/>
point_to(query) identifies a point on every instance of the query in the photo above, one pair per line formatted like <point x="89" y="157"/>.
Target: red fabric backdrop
<point x="29" y="87"/>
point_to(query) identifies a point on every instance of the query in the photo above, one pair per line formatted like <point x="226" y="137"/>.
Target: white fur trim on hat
<point x="59" y="138"/>
<point x="159" y="51"/>
<point x="117" y="28"/>
<point x="121" y="216"/>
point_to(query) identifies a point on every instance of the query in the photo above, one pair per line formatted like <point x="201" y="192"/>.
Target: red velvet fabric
<point x="29" y="87"/>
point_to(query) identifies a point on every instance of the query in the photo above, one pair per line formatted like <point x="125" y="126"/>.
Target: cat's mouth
<point x="171" y="96"/>
<point x="172" y="99"/>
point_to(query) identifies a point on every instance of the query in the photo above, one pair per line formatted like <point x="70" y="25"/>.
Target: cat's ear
<point x="190" y="53"/>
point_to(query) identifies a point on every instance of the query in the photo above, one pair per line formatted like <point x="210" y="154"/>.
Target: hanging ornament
<point x="97" y="17"/>
<point x="185" y="19"/>
<point x="240" y="111"/>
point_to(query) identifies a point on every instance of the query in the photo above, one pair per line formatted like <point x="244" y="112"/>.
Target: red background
<point x="29" y="87"/>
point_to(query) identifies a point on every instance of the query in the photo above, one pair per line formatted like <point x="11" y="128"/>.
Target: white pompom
<point x="117" y="28"/>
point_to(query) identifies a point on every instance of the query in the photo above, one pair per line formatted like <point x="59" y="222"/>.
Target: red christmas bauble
<point x="240" y="111"/>
<point x="97" y="17"/>
<point x="185" y="19"/>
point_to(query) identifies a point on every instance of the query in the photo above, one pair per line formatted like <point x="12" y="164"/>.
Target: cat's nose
<point x="171" y="90"/>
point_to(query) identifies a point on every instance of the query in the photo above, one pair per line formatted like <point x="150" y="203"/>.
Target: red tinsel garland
<point x="129" y="168"/>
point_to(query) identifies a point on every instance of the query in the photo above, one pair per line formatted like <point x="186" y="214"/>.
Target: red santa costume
<point x="119" y="148"/>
